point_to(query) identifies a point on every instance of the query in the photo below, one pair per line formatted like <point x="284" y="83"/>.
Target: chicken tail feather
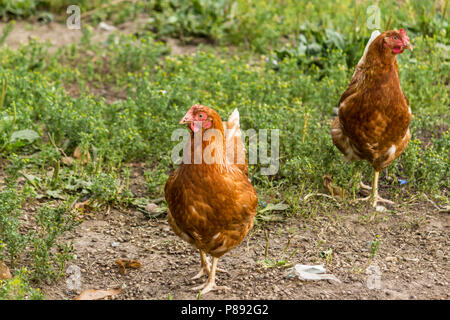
<point x="233" y="125"/>
<point x="235" y="146"/>
<point x="374" y="35"/>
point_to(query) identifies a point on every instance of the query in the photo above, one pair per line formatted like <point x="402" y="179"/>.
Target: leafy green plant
<point x="13" y="241"/>
<point x="374" y="246"/>
<point x="19" y="288"/>
<point x="281" y="260"/>
<point x="105" y="188"/>
<point x="155" y="180"/>
<point x="194" y="18"/>
<point x="49" y="256"/>
<point x="6" y="31"/>
<point x="327" y="255"/>
<point x="18" y="8"/>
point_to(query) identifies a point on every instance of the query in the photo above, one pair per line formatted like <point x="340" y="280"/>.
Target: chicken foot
<point x="210" y="284"/>
<point x="364" y="189"/>
<point x="375" y="197"/>
<point x="364" y="186"/>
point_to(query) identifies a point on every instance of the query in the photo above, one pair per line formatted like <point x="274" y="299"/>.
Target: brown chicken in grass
<point x="212" y="204"/>
<point x="374" y="114"/>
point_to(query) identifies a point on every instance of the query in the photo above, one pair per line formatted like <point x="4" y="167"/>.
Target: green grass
<point x="18" y="287"/>
<point x="284" y="64"/>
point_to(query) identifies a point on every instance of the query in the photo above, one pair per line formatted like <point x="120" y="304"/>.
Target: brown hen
<point x="374" y="114"/>
<point x="212" y="204"/>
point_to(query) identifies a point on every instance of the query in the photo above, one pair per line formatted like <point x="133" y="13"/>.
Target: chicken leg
<point x="362" y="185"/>
<point x="375" y="197"/>
<point x="210" y="284"/>
<point x="204" y="267"/>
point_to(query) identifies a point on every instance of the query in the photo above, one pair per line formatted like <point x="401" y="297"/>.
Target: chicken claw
<point x="207" y="287"/>
<point x="364" y="189"/>
<point x="364" y="186"/>
<point x="375" y="199"/>
<point x="374" y="196"/>
<point x="203" y="271"/>
<point x="210" y="284"/>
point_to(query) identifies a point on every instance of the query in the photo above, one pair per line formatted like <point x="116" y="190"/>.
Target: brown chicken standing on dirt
<point x="212" y="204"/>
<point x="374" y="114"/>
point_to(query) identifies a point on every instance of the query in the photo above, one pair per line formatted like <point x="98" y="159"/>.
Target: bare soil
<point x="411" y="262"/>
<point x="59" y="35"/>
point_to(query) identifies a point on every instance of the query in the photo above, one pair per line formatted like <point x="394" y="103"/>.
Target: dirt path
<point x="412" y="260"/>
<point x="59" y="35"/>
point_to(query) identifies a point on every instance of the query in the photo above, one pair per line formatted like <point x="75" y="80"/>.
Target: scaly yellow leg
<point x="210" y="284"/>
<point x="375" y="197"/>
<point x="204" y="268"/>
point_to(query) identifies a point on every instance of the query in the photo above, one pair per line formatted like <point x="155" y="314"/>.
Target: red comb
<point x="404" y="36"/>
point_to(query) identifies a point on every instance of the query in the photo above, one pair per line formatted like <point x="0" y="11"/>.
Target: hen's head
<point x="396" y="41"/>
<point x="201" y="117"/>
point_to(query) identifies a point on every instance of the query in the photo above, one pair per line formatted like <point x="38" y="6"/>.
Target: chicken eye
<point x="395" y="37"/>
<point x="200" y="115"/>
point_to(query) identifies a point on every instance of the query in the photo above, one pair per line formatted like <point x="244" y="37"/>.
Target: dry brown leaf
<point x="4" y="272"/>
<point x="83" y="206"/>
<point x="336" y="192"/>
<point x="82" y="155"/>
<point x="93" y="294"/>
<point x="68" y="161"/>
<point x="124" y="263"/>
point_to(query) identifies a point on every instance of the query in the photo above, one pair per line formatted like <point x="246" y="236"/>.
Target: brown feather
<point x="374" y="115"/>
<point x="211" y="206"/>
